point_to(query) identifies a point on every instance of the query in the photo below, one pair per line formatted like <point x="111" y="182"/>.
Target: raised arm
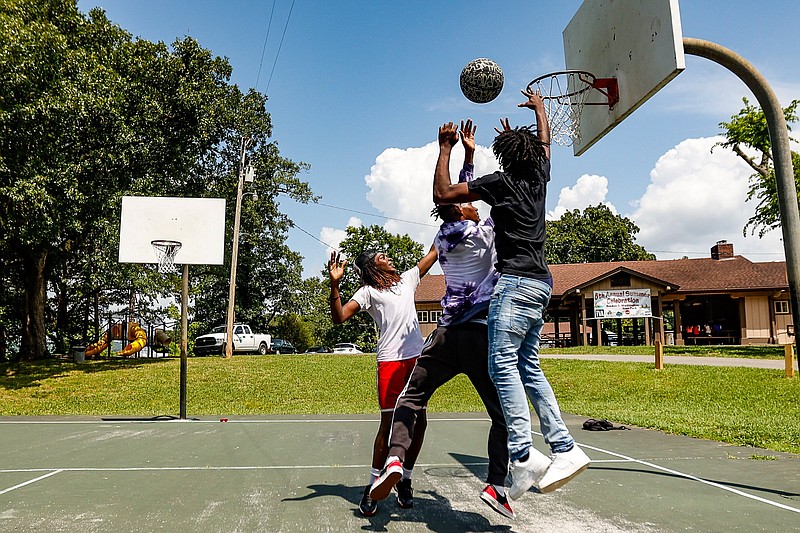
<point x="427" y="262"/>
<point x="339" y="313"/>
<point x="536" y="103"/>
<point x="467" y="135"/>
<point x="445" y="192"/>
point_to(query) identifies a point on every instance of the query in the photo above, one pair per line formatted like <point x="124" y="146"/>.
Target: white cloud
<point x="401" y="182"/>
<point x="333" y="237"/>
<point x="589" y="190"/>
<point x="695" y="198"/>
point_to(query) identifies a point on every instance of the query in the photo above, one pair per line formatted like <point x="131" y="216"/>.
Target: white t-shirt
<point x="393" y="310"/>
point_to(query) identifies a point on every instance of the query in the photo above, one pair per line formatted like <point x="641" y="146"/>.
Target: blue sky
<point x="358" y="89"/>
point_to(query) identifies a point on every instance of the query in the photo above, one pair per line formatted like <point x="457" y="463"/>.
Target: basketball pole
<point x="184" y="337"/>
<point x="781" y="151"/>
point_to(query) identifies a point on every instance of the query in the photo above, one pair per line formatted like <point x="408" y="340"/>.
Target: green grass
<point x="742" y="406"/>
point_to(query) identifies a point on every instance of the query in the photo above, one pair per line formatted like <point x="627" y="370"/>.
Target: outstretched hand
<point x="534" y="99"/>
<point x="448" y="135"/>
<point x="506" y="126"/>
<point x="336" y="267"/>
<point x="467" y="134"/>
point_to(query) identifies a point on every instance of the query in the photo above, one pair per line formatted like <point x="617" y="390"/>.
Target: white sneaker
<point x="526" y="474"/>
<point x="564" y="467"/>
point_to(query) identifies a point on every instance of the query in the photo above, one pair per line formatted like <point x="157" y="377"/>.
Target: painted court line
<point x="34" y="480"/>
<point x="695" y="478"/>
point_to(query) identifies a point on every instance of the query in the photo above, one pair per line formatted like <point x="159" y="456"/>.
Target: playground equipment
<point x="136" y="335"/>
<point x="138" y="338"/>
<point x="115" y="332"/>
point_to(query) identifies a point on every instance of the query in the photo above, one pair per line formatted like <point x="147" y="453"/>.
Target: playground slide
<point x="102" y="344"/>
<point x="138" y="338"/>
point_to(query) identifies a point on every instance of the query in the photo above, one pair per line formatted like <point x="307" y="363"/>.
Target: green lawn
<point x="744" y="406"/>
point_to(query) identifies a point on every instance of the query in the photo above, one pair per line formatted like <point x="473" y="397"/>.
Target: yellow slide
<point x="138" y="338"/>
<point x="102" y="344"/>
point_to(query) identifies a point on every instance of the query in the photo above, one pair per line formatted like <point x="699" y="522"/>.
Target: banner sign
<point x="628" y="303"/>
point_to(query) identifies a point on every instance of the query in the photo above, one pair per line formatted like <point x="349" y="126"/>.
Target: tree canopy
<point x="594" y="235"/>
<point x="748" y="130"/>
<point x="89" y="114"/>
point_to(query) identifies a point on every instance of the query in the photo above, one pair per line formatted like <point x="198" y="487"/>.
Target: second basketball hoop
<point x="166" y="251"/>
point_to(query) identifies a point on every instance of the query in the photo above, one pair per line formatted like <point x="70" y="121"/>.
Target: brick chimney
<point x="722" y="250"/>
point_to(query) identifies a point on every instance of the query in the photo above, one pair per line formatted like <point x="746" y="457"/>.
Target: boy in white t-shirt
<point x="389" y="299"/>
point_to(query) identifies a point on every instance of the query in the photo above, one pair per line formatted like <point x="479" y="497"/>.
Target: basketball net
<point x="165" y="252"/>
<point x="564" y="95"/>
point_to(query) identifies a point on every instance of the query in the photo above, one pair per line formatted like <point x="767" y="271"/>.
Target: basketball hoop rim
<point x="162" y="242"/>
<point x="586" y="77"/>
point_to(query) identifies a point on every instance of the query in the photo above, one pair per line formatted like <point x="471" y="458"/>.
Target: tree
<point x="405" y="254"/>
<point x="595" y="235"/>
<point x="748" y="129"/>
<point x="88" y="114"/>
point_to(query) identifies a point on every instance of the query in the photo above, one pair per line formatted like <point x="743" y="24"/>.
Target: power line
<point x="379" y="216"/>
<point x="374" y="215"/>
<point x="279" y="47"/>
<point x="294" y="225"/>
<point x="264" y="49"/>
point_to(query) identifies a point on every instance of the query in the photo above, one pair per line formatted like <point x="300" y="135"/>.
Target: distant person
<point x="389" y="299"/>
<point x="460" y="344"/>
<point x="516" y="312"/>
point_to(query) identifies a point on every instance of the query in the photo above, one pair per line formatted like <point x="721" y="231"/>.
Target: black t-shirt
<point x="518" y="211"/>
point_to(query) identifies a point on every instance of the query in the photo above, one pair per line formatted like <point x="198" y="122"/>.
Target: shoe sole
<point x="563" y="481"/>
<point x="495" y="505"/>
<point x="382" y="488"/>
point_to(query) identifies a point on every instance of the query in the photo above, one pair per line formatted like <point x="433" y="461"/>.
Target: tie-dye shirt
<point x="467" y="257"/>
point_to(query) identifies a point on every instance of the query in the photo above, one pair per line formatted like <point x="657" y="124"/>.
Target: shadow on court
<point x="308" y="474"/>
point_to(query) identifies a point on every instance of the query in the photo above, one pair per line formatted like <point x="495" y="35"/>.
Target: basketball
<point x="481" y="80"/>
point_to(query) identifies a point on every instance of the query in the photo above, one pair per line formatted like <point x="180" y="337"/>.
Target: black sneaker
<point x="368" y="506"/>
<point x="405" y="494"/>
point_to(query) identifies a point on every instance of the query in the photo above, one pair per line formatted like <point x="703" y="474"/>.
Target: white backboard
<point x="638" y="42"/>
<point x="197" y="223"/>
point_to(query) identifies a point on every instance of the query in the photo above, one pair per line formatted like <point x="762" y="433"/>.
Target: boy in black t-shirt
<point x="517" y="196"/>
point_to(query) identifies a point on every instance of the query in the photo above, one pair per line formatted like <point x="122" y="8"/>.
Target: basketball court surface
<point x="308" y="473"/>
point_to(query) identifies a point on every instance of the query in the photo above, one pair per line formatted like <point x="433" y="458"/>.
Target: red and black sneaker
<point x="389" y="477"/>
<point x="368" y="506"/>
<point x="497" y="502"/>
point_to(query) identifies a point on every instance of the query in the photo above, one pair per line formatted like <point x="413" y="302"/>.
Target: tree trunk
<point x="33" y="344"/>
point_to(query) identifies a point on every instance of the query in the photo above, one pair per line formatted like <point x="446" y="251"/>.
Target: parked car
<point x="244" y="341"/>
<point x="280" y="346"/>
<point x="318" y="349"/>
<point x="346" y="347"/>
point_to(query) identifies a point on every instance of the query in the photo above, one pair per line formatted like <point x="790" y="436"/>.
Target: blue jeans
<point x="515" y="322"/>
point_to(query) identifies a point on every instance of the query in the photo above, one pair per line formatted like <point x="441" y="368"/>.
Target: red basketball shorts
<point x="392" y="379"/>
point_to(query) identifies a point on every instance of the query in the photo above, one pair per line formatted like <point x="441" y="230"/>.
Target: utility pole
<point x="235" y="253"/>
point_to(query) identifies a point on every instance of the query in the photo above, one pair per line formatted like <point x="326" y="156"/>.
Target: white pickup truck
<point x="244" y="341"/>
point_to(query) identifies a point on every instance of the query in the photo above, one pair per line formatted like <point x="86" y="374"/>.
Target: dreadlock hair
<point x="447" y="212"/>
<point x="373" y="276"/>
<point x="521" y="153"/>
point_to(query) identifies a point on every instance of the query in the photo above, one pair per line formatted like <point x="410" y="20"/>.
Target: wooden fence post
<point x="788" y="355"/>
<point x="659" y="355"/>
